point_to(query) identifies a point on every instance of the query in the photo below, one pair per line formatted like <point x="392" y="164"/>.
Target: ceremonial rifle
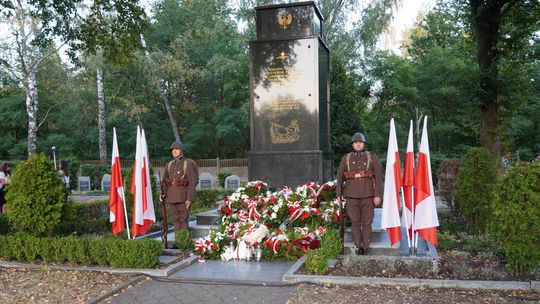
<point x="163" y="212"/>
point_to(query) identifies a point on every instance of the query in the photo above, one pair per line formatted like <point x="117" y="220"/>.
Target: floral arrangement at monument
<point x="283" y="224"/>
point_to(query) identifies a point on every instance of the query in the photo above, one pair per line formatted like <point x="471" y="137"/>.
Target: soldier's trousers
<point x="179" y="215"/>
<point x="361" y="212"/>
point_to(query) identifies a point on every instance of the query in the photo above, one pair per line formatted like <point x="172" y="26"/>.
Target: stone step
<point x="210" y="217"/>
<point x="377" y="247"/>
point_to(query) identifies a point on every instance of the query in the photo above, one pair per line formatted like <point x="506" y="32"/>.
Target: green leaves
<point x="516" y="216"/>
<point x="475" y="190"/>
<point x="36" y="196"/>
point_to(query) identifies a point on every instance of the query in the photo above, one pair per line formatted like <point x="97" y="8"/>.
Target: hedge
<point x="516" y="215"/>
<point x="475" y="190"/>
<point x="116" y="253"/>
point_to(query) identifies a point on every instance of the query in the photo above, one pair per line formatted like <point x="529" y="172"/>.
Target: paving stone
<point x="174" y="292"/>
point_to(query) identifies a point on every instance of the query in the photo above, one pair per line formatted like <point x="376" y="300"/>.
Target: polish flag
<point x="143" y="203"/>
<point x="425" y="213"/>
<point x="117" y="205"/>
<point x="408" y="183"/>
<point x="392" y="183"/>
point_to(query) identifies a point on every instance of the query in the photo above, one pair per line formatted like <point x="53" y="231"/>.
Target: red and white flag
<point x="392" y="183"/>
<point x="116" y="195"/>
<point x="143" y="203"/>
<point x="425" y="213"/>
<point x="408" y="183"/>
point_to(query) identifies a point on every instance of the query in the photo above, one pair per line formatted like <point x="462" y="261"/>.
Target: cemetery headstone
<point x="84" y="183"/>
<point x="206" y="181"/>
<point x="106" y="182"/>
<point x="232" y="182"/>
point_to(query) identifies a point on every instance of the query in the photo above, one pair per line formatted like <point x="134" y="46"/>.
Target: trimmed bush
<point x="475" y="190"/>
<point x="516" y="217"/>
<point x="183" y="239"/>
<point x="316" y="263"/>
<point x="35" y="196"/>
<point x="4" y="225"/>
<point x="117" y="253"/>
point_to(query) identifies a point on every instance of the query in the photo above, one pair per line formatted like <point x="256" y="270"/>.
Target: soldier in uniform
<point x="359" y="184"/>
<point x="179" y="183"/>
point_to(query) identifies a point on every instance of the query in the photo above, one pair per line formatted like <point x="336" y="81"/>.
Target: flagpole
<point x="405" y="216"/>
<point x="125" y="210"/>
<point x="415" y="234"/>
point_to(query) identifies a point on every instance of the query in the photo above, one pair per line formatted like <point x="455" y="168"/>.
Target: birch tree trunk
<point x="101" y="116"/>
<point x="32" y="109"/>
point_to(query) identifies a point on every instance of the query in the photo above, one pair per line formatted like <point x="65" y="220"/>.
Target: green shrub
<point x="36" y="197"/>
<point x="482" y="243"/>
<point x="84" y="218"/>
<point x="331" y="245"/>
<point x="133" y="253"/>
<point x="316" y="263"/>
<point x="183" y="239"/>
<point x="82" y="250"/>
<point x="475" y="189"/>
<point x="222" y="175"/>
<point x="97" y="250"/>
<point x="447" y="241"/>
<point x="206" y="199"/>
<point x="98" y="226"/>
<point x="516" y="217"/>
<point x="4" y="225"/>
<point x="75" y="211"/>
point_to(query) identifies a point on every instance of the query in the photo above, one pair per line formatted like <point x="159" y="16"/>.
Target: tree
<point x="494" y="26"/>
<point x="34" y="25"/>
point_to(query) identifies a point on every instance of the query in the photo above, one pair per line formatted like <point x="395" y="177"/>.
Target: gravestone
<point x="205" y="181"/>
<point x="289" y="89"/>
<point x="232" y="182"/>
<point x="84" y="183"/>
<point x="106" y="182"/>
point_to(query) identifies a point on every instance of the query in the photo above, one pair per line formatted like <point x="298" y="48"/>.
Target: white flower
<point x="276" y="208"/>
<point x="274" y="215"/>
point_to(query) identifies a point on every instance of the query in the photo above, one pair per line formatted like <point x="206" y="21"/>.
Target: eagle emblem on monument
<point x="284" y="20"/>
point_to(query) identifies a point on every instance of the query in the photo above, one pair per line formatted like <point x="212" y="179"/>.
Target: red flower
<point x="314" y="244"/>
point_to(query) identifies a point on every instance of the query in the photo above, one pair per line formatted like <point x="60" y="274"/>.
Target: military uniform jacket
<point x="359" y="187"/>
<point x="174" y="171"/>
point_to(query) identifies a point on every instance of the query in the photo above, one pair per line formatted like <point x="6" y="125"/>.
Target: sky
<point x="404" y="19"/>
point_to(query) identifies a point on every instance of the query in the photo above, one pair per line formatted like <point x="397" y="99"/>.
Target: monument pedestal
<point x="280" y="168"/>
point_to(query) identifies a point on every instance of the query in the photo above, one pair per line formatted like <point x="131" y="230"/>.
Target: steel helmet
<point x="358" y="137"/>
<point x="177" y="145"/>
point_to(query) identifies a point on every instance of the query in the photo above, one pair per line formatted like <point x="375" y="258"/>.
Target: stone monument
<point x="290" y="104"/>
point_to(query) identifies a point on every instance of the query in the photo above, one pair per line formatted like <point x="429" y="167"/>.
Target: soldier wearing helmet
<point x="179" y="183"/>
<point x="359" y="185"/>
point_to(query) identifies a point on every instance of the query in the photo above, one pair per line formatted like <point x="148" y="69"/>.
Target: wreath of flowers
<point x="296" y="219"/>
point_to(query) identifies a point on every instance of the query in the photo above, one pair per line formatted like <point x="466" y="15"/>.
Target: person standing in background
<point x="5" y="172"/>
